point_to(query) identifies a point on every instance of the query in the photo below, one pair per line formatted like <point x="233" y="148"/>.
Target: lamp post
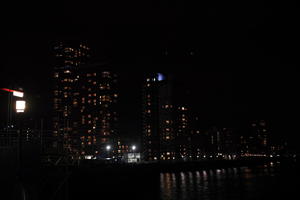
<point x="108" y="148"/>
<point x="133" y="148"/>
<point x="20" y="108"/>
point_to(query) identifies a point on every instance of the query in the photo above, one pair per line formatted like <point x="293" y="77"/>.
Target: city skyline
<point x="152" y="99"/>
<point x="215" y="95"/>
<point x="244" y="56"/>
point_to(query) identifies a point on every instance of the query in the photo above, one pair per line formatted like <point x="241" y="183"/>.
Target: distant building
<point x="183" y="138"/>
<point x="132" y="157"/>
<point x="158" y="123"/>
<point x="85" y="99"/>
<point x="259" y="137"/>
<point x="69" y="56"/>
<point x="95" y="110"/>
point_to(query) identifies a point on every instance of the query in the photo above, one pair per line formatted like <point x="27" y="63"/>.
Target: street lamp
<point x="133" y="148"/>
<point x="108" y="147"/>
<point x="15" y="93"/>
<point x="20" y="106"/>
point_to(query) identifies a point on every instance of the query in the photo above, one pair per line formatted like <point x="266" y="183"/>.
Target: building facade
<point x="84" y="103"/>
<point x="69" y="57"/>
<point x="158" y="119"/>
<point x="96" y="112"/>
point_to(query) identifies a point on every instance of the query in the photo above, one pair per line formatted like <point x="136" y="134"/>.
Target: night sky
<point x="233" y="61"/>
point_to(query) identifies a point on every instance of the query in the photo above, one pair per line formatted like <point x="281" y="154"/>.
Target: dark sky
<point x="236" y="60"/>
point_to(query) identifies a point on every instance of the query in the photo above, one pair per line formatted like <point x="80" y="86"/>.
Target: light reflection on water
<point x="230" y="183"/>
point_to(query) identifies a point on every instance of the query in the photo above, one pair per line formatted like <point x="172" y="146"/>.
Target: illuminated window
<point x="106" y="75"/>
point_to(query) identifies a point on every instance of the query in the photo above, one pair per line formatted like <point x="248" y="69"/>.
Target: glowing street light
<point x="133" y="147"/>
<point x="20" y="106"/>
<point x="108" y="147"/>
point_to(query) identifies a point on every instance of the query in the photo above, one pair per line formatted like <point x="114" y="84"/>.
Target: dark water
<point x="263" y="182"/>
<point x="271" y="181"/>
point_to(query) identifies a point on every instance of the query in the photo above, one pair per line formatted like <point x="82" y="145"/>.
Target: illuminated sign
<point x="15" y="92"/>
<point x="18" y="94"/>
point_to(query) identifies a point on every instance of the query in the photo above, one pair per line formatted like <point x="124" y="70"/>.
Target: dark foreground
<point x="215" y="180"/>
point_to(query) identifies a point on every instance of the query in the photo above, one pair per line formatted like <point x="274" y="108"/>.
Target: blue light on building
<point x="160" y="77"/>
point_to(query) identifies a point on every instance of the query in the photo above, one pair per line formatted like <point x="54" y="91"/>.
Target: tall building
<point x="259" y="137"/>
<point x="69" y="56"/>
<point x="183" y="134"/>
<point x="85" y="98"/>
<point x="158" y="123"/>
<point x="96" y="112"/>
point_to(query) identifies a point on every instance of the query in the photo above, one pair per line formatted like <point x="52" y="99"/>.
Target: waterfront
<point x="259" y="182"/>
<point x="274" y="180"/>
